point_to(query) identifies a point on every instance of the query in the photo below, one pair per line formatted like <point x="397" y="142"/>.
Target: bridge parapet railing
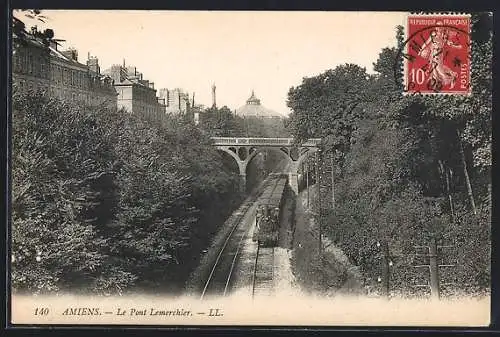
<point x="262" y="141"/>
<point x="271" y="141"/>
<point x="224" y="140"/>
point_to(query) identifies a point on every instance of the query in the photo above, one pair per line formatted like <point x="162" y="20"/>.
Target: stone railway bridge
<point x="243" y="150"/>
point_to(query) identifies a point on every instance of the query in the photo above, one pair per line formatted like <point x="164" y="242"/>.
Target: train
<point x="269" y="211"/>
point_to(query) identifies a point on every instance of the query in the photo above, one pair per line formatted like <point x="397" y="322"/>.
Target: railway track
<point x="221" y="273"/>
<point x="263" y="272"/>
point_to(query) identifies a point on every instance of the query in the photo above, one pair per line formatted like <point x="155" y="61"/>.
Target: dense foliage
<point x="221" y="122"/>
<point x="407" y="170"/>
<point x="105" y="201"/>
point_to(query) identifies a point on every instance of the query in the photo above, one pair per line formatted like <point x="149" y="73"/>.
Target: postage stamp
<point x="437" y="55"/>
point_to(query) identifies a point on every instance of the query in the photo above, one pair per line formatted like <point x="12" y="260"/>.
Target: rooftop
<point x="254" y="108"/>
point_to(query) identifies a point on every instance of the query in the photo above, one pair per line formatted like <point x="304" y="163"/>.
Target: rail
<point x="221" y="252"/>
<point x="263" y="271"/>
<point x="235" y="223"/>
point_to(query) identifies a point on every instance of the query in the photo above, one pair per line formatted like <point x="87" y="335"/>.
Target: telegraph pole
<point x="307" y="183"/>
<point x="319" y="205"/>
<point x="386" y="273"/>
<point x="434" y="268"/>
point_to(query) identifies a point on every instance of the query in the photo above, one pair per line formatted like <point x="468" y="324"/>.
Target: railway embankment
<point x="285" y="283"/>
<point x="331" y="274"/>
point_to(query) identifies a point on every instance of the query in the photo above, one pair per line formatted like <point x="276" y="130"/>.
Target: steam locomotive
<point x="269" y="210"/>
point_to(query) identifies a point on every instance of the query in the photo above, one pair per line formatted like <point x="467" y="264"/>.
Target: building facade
<point x="176" y="100"/>
<point x="135" y="94"/>
<point x="38" y="64"/>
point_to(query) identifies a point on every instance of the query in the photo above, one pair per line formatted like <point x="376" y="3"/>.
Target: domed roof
<point x="253" y="108"/>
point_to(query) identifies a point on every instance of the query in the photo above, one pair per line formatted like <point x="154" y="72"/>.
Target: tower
<point x="214" y="101"/>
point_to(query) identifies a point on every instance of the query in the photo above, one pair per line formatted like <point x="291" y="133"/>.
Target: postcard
<point x="255" y="168"/>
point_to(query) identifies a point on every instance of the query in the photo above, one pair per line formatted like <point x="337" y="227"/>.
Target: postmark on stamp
<point x="437" y="54"/>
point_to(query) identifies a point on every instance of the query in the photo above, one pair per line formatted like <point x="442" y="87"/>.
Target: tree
<point x="408" y="166"/>
<point x="218" y="122"/>
<point x="105" y="201"/>
<point x="327" y="106"/>
<point x="59" y="158"/>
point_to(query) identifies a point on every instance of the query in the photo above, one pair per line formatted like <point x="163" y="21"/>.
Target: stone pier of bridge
<point x="243" y="150"/>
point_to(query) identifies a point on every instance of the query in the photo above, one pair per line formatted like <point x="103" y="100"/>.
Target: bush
<point x="59" y="156"/>
<point x="103" y="200"/>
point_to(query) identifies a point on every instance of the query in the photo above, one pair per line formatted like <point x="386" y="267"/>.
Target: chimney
<point x="93" y="64"/>
<point x="71" y="53"/>
<point x="115" y="73"/>
<point x="214" y="101"/>
<point x="53" y="44"/>
<point x="131" y="71"/>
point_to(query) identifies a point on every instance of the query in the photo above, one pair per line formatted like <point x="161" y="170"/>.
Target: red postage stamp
<point x="437" y="55"/>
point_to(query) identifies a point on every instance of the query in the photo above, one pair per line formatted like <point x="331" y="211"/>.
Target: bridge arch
<point x="243" y="150"/>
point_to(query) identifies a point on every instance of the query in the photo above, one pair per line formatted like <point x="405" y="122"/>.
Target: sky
<point x="268" y="52"/>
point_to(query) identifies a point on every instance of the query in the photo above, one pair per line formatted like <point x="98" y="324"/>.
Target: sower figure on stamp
<point x="434" y="50"/>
